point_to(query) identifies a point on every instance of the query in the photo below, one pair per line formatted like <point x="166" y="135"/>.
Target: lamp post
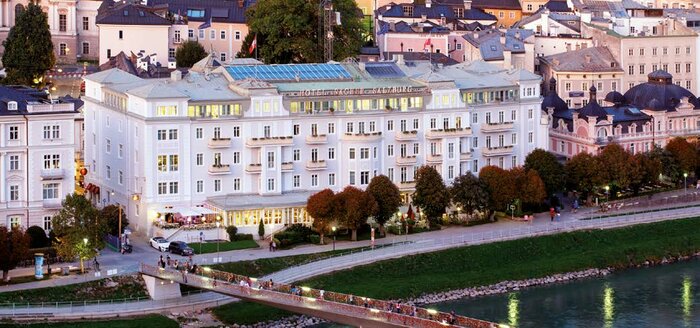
<point x="82" y="267"/>
<point x="333" y="228"/>
<point x="685" y="182"/>
<point x="607" y="193"/>
<point x="119" y="232"/>
<point x="218" y="223"/>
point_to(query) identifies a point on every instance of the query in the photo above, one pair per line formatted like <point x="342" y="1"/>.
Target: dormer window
<point x="408" y="11"/>
<point x="12" y="105"/>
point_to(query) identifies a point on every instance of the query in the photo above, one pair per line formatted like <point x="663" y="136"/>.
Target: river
<point x="662" y="296"/>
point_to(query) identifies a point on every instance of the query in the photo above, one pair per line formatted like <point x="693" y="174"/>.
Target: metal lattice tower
<point x="326" y="18"/>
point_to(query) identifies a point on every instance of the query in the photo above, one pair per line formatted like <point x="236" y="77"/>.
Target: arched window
<point x="19" y="8"/>
<point x="602" y="133"/>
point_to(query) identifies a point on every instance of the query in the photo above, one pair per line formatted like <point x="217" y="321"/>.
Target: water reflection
<point x="513" y="312"/>
<point x="608" y="306"/>
<point x="687" y="300"/>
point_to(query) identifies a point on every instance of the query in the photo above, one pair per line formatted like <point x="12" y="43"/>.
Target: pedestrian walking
<point x="169" y="261"/>
<point x="274" y="245"/>
<point x="96" y="264"/>
<point x="453" y="318"/>
<point x="552" y="213"/>
<point x="271" y="243"/>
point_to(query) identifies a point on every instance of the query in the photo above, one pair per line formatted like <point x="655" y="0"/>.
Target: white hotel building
<point x="39" y="146"/>
<point x="253" y="142"/>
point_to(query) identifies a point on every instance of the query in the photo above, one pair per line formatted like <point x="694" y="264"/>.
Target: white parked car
<point x="160" y="243"/>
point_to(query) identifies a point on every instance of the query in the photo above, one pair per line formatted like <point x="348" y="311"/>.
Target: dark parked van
<point x="180" y="247"/>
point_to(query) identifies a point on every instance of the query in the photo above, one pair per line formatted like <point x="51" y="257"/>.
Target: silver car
<point x="159" y="243"/>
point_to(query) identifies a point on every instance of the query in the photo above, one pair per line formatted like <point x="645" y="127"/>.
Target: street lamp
<point x="607" y="193"/>
<point x="82" y="267"/>
<point x="333" y="228"/>
<point x="218" y="223"/>
<point x="685" y="182"/>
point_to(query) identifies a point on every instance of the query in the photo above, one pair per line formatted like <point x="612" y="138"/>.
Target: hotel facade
<point x="248" y="143"/>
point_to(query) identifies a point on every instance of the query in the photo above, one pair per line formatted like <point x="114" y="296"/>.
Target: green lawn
<point x="128" y="287"/>
<point x="491" y="263"/>
<point x="150" y="321"/>
<point x="207" y="248"/>
<point x="21" y="280"/>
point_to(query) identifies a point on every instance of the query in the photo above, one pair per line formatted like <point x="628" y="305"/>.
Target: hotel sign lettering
<point x="353" y="91"/>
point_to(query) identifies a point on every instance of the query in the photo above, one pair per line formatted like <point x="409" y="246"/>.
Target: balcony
<point x="219" y="142"/>
<point x="497" y="151"/>
<point x="51" y="203"/>
<point x="433" y="158"/>
<point x="269" y="141"/>
<point x="407" y="185"/>
<point x="448" y="133"/>
<point x="218" y="169"/>
<point x="317" y="139"/>
<point x="253" y="168"/>
<point x="368" y="137"/>
<point x="465" y="156"/>
<point x="497" y="127"/>
<point x="52" y="174"/>
<point x="407" y="135"/>
<point x="316" y="165"/>
<point x="287" y="166"/>
<point x="406" y="161"/>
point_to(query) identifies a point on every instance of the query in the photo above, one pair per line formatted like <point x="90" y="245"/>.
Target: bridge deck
<point x="336" y="307"/>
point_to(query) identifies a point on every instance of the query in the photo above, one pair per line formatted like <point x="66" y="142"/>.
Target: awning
<point x="203" y="210"/>
<point x="184" y="211"/>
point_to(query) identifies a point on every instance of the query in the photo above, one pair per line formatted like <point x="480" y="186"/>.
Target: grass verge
<point x="22" y="279"/>
<point x="150" y="321"/>
<point x="487" y="264"/>
<point x="118" y="287"/>
<point x="206" y="248"/>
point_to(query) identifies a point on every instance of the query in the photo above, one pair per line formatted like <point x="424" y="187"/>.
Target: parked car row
<point x="175" y="247"/>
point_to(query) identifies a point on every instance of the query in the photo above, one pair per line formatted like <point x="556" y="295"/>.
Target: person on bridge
<point x="169" y="261"/>
<point x="453" y="318"/>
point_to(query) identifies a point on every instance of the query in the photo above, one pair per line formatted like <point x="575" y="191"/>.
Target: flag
<point x="384" y="29"/>
<point x="427" y="44"/>
<point x="205" y="25"/>
<point x="253" y="44"/>
<point x="410" y="215"/>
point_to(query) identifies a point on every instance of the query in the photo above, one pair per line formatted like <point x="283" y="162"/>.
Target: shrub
<point x="231" y="231"/>
<point x="261" y="229"/>
<point x="37" y="237"/>
<point x="242" y="236"/>
<point x="315" y="239"/>
<point x="299" y="228"/>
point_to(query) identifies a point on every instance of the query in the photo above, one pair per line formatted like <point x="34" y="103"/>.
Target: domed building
<point x="647" y="114"/>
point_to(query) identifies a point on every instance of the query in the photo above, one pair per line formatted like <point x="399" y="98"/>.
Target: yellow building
<point x="508" y="12"/>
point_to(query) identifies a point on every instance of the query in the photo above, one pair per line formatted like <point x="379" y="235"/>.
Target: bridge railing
<point x="337" y="303"/>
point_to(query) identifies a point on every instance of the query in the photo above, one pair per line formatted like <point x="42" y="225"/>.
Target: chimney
<point x="399" y="59"/>
<point x="568" y="47"/>
<point x="175" y="76"/>
<point x="467" y="4"/>
<point x="588" y="59"/>
<point x="428" y="3"/>
<point x="503" y="39"/>
<point x="241" y="3"/>
<point x="423" y="17"/>
<point x="362" y="66"/>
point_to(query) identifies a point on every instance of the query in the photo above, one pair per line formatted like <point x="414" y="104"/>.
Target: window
<point x="236" y="131"/>
<point x="52" y="161"/>
<point x="199" y="159"/>
<point x="678" y="50"/>
<point x="217" y="185"/>
<point x="390" y="125"/>
<point x="237" y="35"/>
<point x="47" y="222"/>
<point x="314" y="180"/>
<point x="108" y="146"/>
<point x="415" y="124"/>
<point x="364" y="153"/>
<point x="450" y="172"/>
<point x="162" y="188"/>
<point x="641" y="69"/>
<point x="223" y="35"/>
<point x="190" y="33"/>
<point x="62" y="49"/>
<point x="200" y="186"/>
<point x="364" y="177"/>
<point x="331" y="179"/>
<point x="296" y="129"/>
<point x="352" y="178"/>
<point x="236" y="157"/>
<point x="631" y="52"/>
<point x="296" y="155"/>
<point x="109" y="172"/>
<point x="166" y="111"/>
<point x="212" y="34"/>
<point x="331" y="128"/>
<point x="331" y="153"/>
<point x="198" y="133"/>
<point x="171" y="52"/>
<point x="687" y="84"/>
<point x="641" y="52"/>
<point x="15" y="221"/>
<point x="86" y="23"/>
<point x="237" y="184"/>
<point x="678" y="68"/>
<point x="687" y="68"/>
<point x="513" y="139"/>
<point x="530" y="137"/>
<point x="195" y="13"/>
<point x="567" y="86"/>
<point x="529" y="7"/>
<point x="174" y="161"/>
<point x="121" y="35"/>
<point x="86" y="48"/>
<point x="270" y="160"/>
<point x="687" y="50"/>
<point x="270" y="184"/>
<point x="173" y="188"/>
<point x="120" y="177"/>
<point x="14" y="132"/>
<point x="14" y="162"/>
<point x="390" y="150"/>
<point x="665" y="51"/>
<point x="201" y="34"/>
<point x="403" y="125"/>
<point x="14" y="192"/>
<point x="416" y="148"/>
<point x="653" y="51"/>
<point x="50" y="191"/>
<point x="352" y="153"/>
<point x="62" y="22"/>
<point x="630" y="69"/>
<point x="120" y="151"/>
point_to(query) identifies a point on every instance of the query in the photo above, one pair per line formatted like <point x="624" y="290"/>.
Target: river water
<point x="662" y="296"/>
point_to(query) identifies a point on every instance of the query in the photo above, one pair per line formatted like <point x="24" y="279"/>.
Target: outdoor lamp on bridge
<point x="333" y="228"/>
<point x="685" y="182"/>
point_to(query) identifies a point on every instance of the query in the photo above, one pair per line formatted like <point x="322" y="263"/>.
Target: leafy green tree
<point x="111" y="214"/>
<point x="14" y="246"/>
<point x="231" y="231"/>
<point x="37" y="237"/>
<point x="685" y="154"/>
<point x="582" y="173"/>
<point x="78" y="228"/>
<point x="355" y="206"/>
<point x="189" y="53"/>
<point x="288" y="31"/>
<point x="649" y="169"/>
<point x="616" y="167"/>
<point x="550" y="170"/>
<point x="470" y="193"/>
<point x="261" y="229"/>
<point x="322" y="207"/>
<point x="500" y="186"/>
<point x="431" y="194"/>
<point x="529" y="187"/>
<point x="28" y="48"/>
<point x="388" y="199"/>
<point x="670" y="167"/>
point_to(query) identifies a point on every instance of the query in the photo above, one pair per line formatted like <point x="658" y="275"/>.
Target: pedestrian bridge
<point x="341" y="308"/>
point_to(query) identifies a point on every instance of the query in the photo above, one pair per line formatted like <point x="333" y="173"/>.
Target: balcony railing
<point x="407" y="185"/>
<point x="497" y="126"/>
<point x="287" y="166"/>
<point x="317" y="139"/>
<point x="447" y="133"/>
<point x="433" y="158"/>
<point x="316" y="165"/>
<point x="253" y="168"/>
<point x="220" y="169"/>
<point x="374" y="136"/>
<point x="52" y="174"/>
<point x="219" y="142"/>
<point x="407" y="135"/>
<point x="497" y="151"/>
<point x="406" y="161"/>
<point x="270" y="141"/>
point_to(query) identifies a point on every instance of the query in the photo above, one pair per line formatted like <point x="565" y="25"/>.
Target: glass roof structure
<point x="291" y="72"/>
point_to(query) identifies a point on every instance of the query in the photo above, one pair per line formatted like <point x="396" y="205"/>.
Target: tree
<point x="261" y="229"/>
<point x="321" y="207"/>
<point x="28" y="47"/>
<point x="288" y="31"/>
<point x="470" y="193"/>
<point x="388" y="199"/>
<point x="500" y="187"/>
<point x="685" y="154"/>
<point x="529" y="187"/>
<point x="615" y="167"/>
<point x="78" y="228"/>
<point x="37" y="237"/>
<point x="649" y="168"/>
<point x="431" y="194"/>
<point x="354" y="206"/>
<point x="549" y="169"/>
<point x="231" y="231"/>
<point x="670" y="168"/>
<point x="14" y="246"/>
<point x="111" y="214"/>
<point x="189" y="53"/>
<point x="582" y="173"/>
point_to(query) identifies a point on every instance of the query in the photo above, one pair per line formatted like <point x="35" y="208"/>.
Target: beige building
<point x="669" y="46"/>
<point x="72" y="25"/>
<point x="575" y="72"/>
<point x="668" y="4"/>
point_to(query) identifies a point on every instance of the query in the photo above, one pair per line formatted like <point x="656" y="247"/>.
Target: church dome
<point x="659" y="93"/>
<point x="552" y="99"/>
<point x="615" y="98"/>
